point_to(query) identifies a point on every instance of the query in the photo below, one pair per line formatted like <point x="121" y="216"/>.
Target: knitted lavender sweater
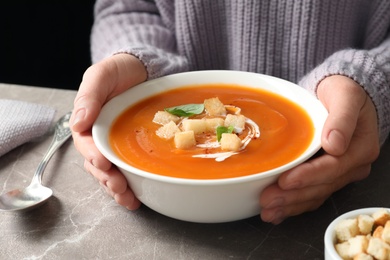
<point x="299" y="40"/>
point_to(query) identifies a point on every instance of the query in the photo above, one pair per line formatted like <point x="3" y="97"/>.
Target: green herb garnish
<point x="222" y="130"/>
<point x="186" y="110"/>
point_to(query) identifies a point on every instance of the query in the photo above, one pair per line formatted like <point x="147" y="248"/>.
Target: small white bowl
<point x="330" y="234"/>
<point x="205" y="201"/>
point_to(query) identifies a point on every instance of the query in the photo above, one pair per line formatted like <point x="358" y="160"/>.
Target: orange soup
<point x="285" y="132"/>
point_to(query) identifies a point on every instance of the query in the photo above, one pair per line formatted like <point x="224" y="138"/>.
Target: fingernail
<point x="275" y="203"/>
<point x="293" y="185"/>
<point x="93" y="162"/>
<point x="80" y="115"/>
<point x="278" y="217"/>
<point x="336" y="139"/>
<point x="110" y="186"/>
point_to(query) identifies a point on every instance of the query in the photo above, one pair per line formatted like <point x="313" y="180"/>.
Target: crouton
<point x="363" y="256"/>
<point x="386" y="232"/>
<point x="357" y="245"/>
<point x="197" y="125"/>
<point x="214" y="107"/>
<point x="364" y="243"/>
<point x="378" y="248"/>
<point x="213" y="123"/>
<point x="185" y="140"/>
<point x="168" y="131"/>
<point x="365" y="223"/>
<point x="163" y="118"/>
<point x="346" y="229"/>
<point x="230" y="142"/>
<point x="381" y="217"/>
<point x="378" y="232"/>
<point x="237" y="121"/>
<point x="343" y="250"/>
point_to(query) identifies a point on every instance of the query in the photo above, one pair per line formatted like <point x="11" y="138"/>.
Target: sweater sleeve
<point x="137" y="28"/>
<point x="369" y="68"/>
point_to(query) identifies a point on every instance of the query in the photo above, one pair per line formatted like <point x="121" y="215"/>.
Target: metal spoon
<point x="36" y="194"/>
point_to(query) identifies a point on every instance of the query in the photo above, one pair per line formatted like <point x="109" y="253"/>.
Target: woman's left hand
<point x="350" y="142"/>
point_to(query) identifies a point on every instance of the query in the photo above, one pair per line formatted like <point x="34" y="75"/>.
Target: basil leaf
<point x="186" y="110"/>
<point x="222" y="130"/>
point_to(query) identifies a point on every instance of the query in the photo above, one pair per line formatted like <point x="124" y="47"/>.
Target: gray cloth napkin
<point x="21" y="122"/>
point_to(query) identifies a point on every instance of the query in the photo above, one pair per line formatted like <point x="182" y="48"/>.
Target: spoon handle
<point x="62" y="133"/>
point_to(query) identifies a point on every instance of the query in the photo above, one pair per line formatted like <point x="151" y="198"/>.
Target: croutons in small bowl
<point x="214" y="127"/>
<point x="359" y="234"/>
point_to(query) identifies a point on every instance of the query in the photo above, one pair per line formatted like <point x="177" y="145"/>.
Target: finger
<point x="101" y="82"/>
<point x="343" y="111"/>
<point x="279" y="214"/>
<point x="327" y="169"/>
<point x="113" y="179"/>
<point x="85" y="145"/>
<point x="362" y="151"/>
<point x="127" y="199"/>
<point x="115" y="184"/>
<point x="90" y="98"/>
<point x="278" y="204"/>
<point x="275" y="196"/>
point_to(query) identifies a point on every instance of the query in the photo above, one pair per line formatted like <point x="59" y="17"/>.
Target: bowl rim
<point x="330" y="234"/>
<point x="314" y="146"/>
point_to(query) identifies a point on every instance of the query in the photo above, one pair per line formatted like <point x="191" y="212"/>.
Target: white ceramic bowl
<point x="205" y="201"/>
<point x="330" y="234"/>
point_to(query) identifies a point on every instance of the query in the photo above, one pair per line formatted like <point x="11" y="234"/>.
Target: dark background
<point x="45" y="43"/>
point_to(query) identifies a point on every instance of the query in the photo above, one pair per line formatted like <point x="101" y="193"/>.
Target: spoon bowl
<point x="36" y="194"/>
<point x="27" y="198"/>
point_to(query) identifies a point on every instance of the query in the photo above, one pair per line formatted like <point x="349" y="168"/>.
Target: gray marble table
<point x="82" y="222"/>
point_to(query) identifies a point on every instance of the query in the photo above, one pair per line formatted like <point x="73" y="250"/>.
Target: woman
<point x="337" y="50"/>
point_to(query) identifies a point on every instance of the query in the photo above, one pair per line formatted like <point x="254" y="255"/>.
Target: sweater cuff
<point x="361" y="67"/>
<point x="157" y="62"/>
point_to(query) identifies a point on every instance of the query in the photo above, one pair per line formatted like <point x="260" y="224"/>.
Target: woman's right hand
<point x="101" y="82"/>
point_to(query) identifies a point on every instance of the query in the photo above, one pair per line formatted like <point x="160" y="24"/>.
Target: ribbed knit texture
<point x="302" y="41"/>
